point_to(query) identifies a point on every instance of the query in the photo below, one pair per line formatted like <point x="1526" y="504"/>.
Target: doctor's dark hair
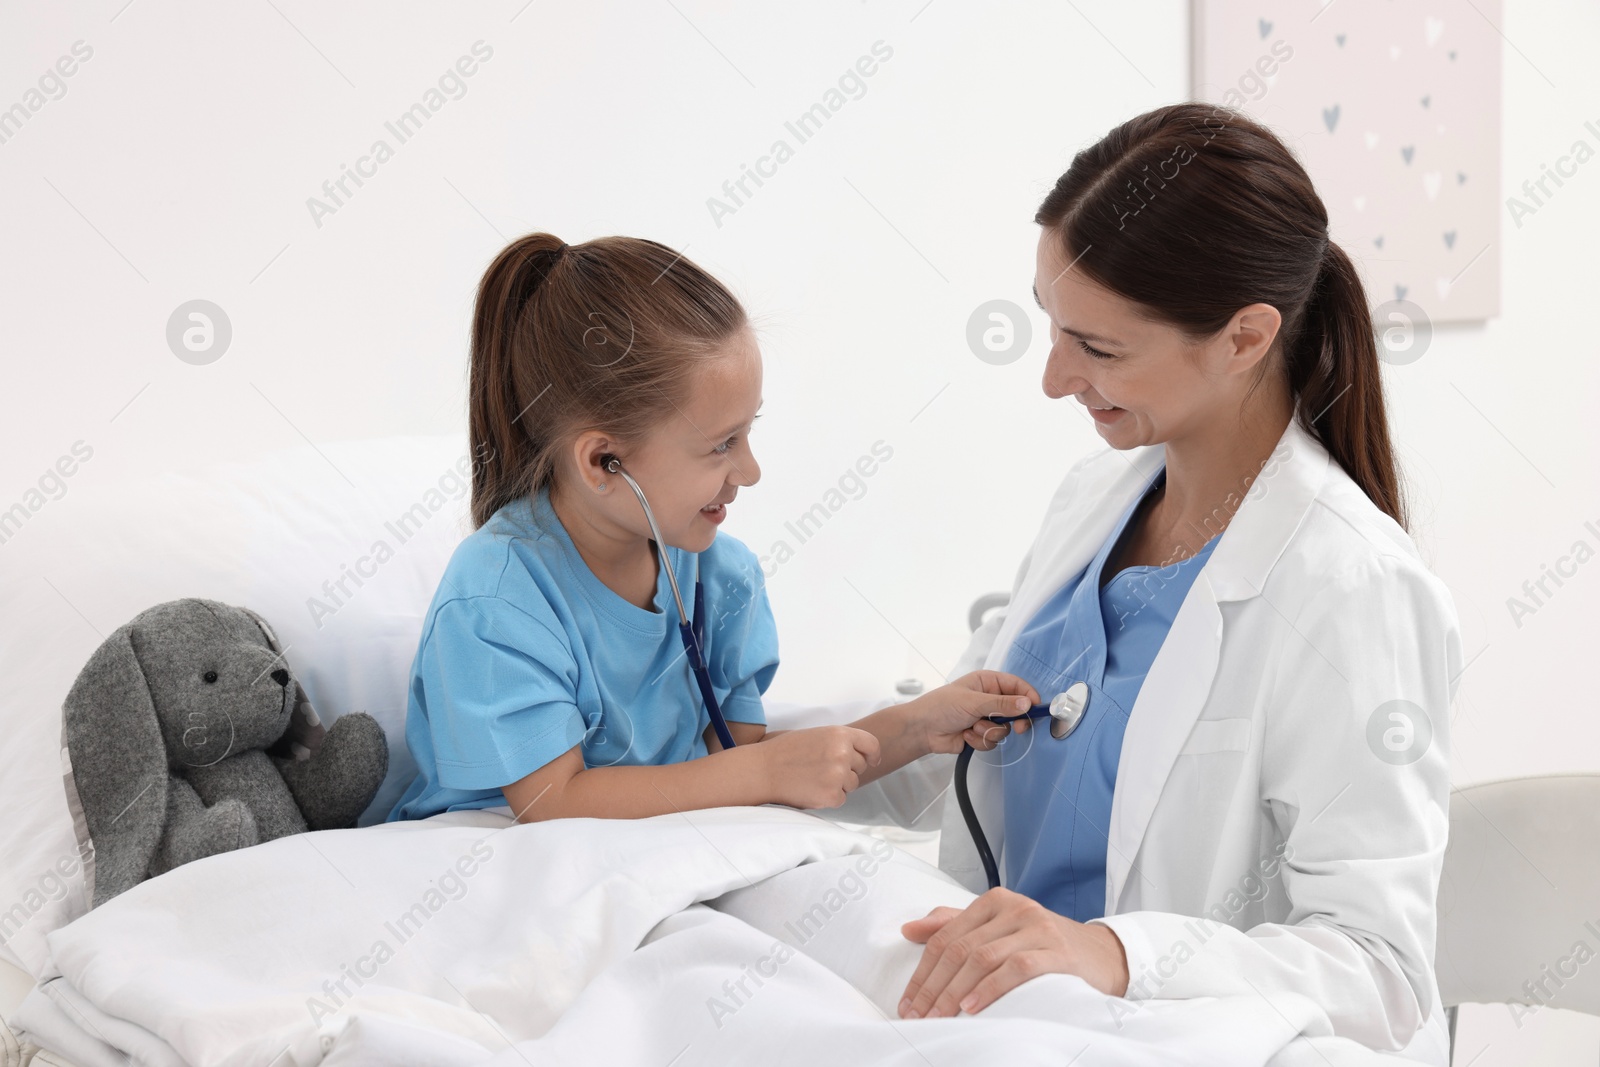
<point x="1193" y="211"/>
<point x="602" y="335"/>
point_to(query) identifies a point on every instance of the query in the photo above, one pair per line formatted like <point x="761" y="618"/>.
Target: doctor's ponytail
<point x="601" y="335"/>
<point x="1194" y="211"/>
<point x="1333" y="368"/>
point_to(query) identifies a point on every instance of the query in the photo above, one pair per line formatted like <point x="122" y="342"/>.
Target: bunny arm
<point x="252" y="778"/>
<point x="337" y="782"/>
<point x="194" y="831"/>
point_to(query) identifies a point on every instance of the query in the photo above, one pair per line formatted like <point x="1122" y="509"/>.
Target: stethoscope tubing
<point x="692" y="630"/>
<point x="991" y="871"/>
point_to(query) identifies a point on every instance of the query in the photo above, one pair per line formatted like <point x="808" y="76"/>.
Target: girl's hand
<point x="977" y="954"/>
<point x="816" y="767"/>
<point x="953" y="714"/>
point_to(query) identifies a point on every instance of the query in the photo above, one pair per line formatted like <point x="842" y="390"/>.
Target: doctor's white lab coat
<point x="1284" y="772"/>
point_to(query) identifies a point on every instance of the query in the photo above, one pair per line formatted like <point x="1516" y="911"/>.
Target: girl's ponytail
<point x="605" y="335"/>
<point x="502" y="448"/>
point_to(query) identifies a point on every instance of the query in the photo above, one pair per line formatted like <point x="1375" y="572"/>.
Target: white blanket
<point x="707" y="937"/>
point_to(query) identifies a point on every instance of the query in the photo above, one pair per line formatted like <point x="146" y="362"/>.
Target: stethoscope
<point x="1065" y="712"/>
<point x="693" y="632"/>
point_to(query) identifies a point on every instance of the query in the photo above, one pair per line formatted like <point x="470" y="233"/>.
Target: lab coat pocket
<point x="1218" y="735"/>
<point x="1208" y="775"/>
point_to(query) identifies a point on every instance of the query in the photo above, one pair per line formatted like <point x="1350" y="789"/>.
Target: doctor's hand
<point x="953" y="714"/>
<point x="979" y="953"/>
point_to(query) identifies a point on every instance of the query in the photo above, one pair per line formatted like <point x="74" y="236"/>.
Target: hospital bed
<point x="266" y="534"/>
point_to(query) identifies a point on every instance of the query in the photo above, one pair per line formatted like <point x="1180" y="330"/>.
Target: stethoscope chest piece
<point x="1066" y="713"/>
<point x="1066" y="710"/>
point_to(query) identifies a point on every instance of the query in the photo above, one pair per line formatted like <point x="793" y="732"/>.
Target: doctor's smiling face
<point x="1143" y="382"/>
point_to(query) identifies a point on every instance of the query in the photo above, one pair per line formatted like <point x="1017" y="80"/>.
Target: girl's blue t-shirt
<point x="525" y="654"/>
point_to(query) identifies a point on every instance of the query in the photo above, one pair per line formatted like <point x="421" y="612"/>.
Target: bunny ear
<point x="266" y="630"/>
<point x="119" y="764"/>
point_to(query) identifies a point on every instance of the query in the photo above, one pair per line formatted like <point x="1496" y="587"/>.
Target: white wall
<point x="179" y="161"/>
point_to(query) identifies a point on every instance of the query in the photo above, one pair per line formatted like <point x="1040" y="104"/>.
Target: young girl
<point x="550" y="675"/>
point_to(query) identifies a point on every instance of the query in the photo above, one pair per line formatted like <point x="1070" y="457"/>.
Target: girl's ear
<point x="591" y="451"/>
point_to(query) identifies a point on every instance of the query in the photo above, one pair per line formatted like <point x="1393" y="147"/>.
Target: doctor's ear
<point x="1249" y="335"/>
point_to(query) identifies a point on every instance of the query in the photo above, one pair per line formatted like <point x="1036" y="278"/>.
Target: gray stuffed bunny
<point x="188" y="737"/>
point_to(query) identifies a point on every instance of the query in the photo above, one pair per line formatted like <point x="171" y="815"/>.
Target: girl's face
<point x="693" y="465"/>
<point x="1141" y="382"/>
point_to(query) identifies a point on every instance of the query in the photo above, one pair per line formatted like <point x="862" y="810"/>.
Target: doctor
<point x="1270" y="663"/>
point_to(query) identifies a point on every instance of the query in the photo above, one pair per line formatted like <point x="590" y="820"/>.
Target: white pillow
<point x="340" y="548"/>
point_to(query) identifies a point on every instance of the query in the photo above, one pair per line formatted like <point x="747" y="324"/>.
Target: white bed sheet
<point x="582" y="940"/>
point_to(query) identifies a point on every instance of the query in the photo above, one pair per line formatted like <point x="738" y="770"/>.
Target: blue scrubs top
<point x="1057" y="793"/>
<point x="525" y="654"/>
